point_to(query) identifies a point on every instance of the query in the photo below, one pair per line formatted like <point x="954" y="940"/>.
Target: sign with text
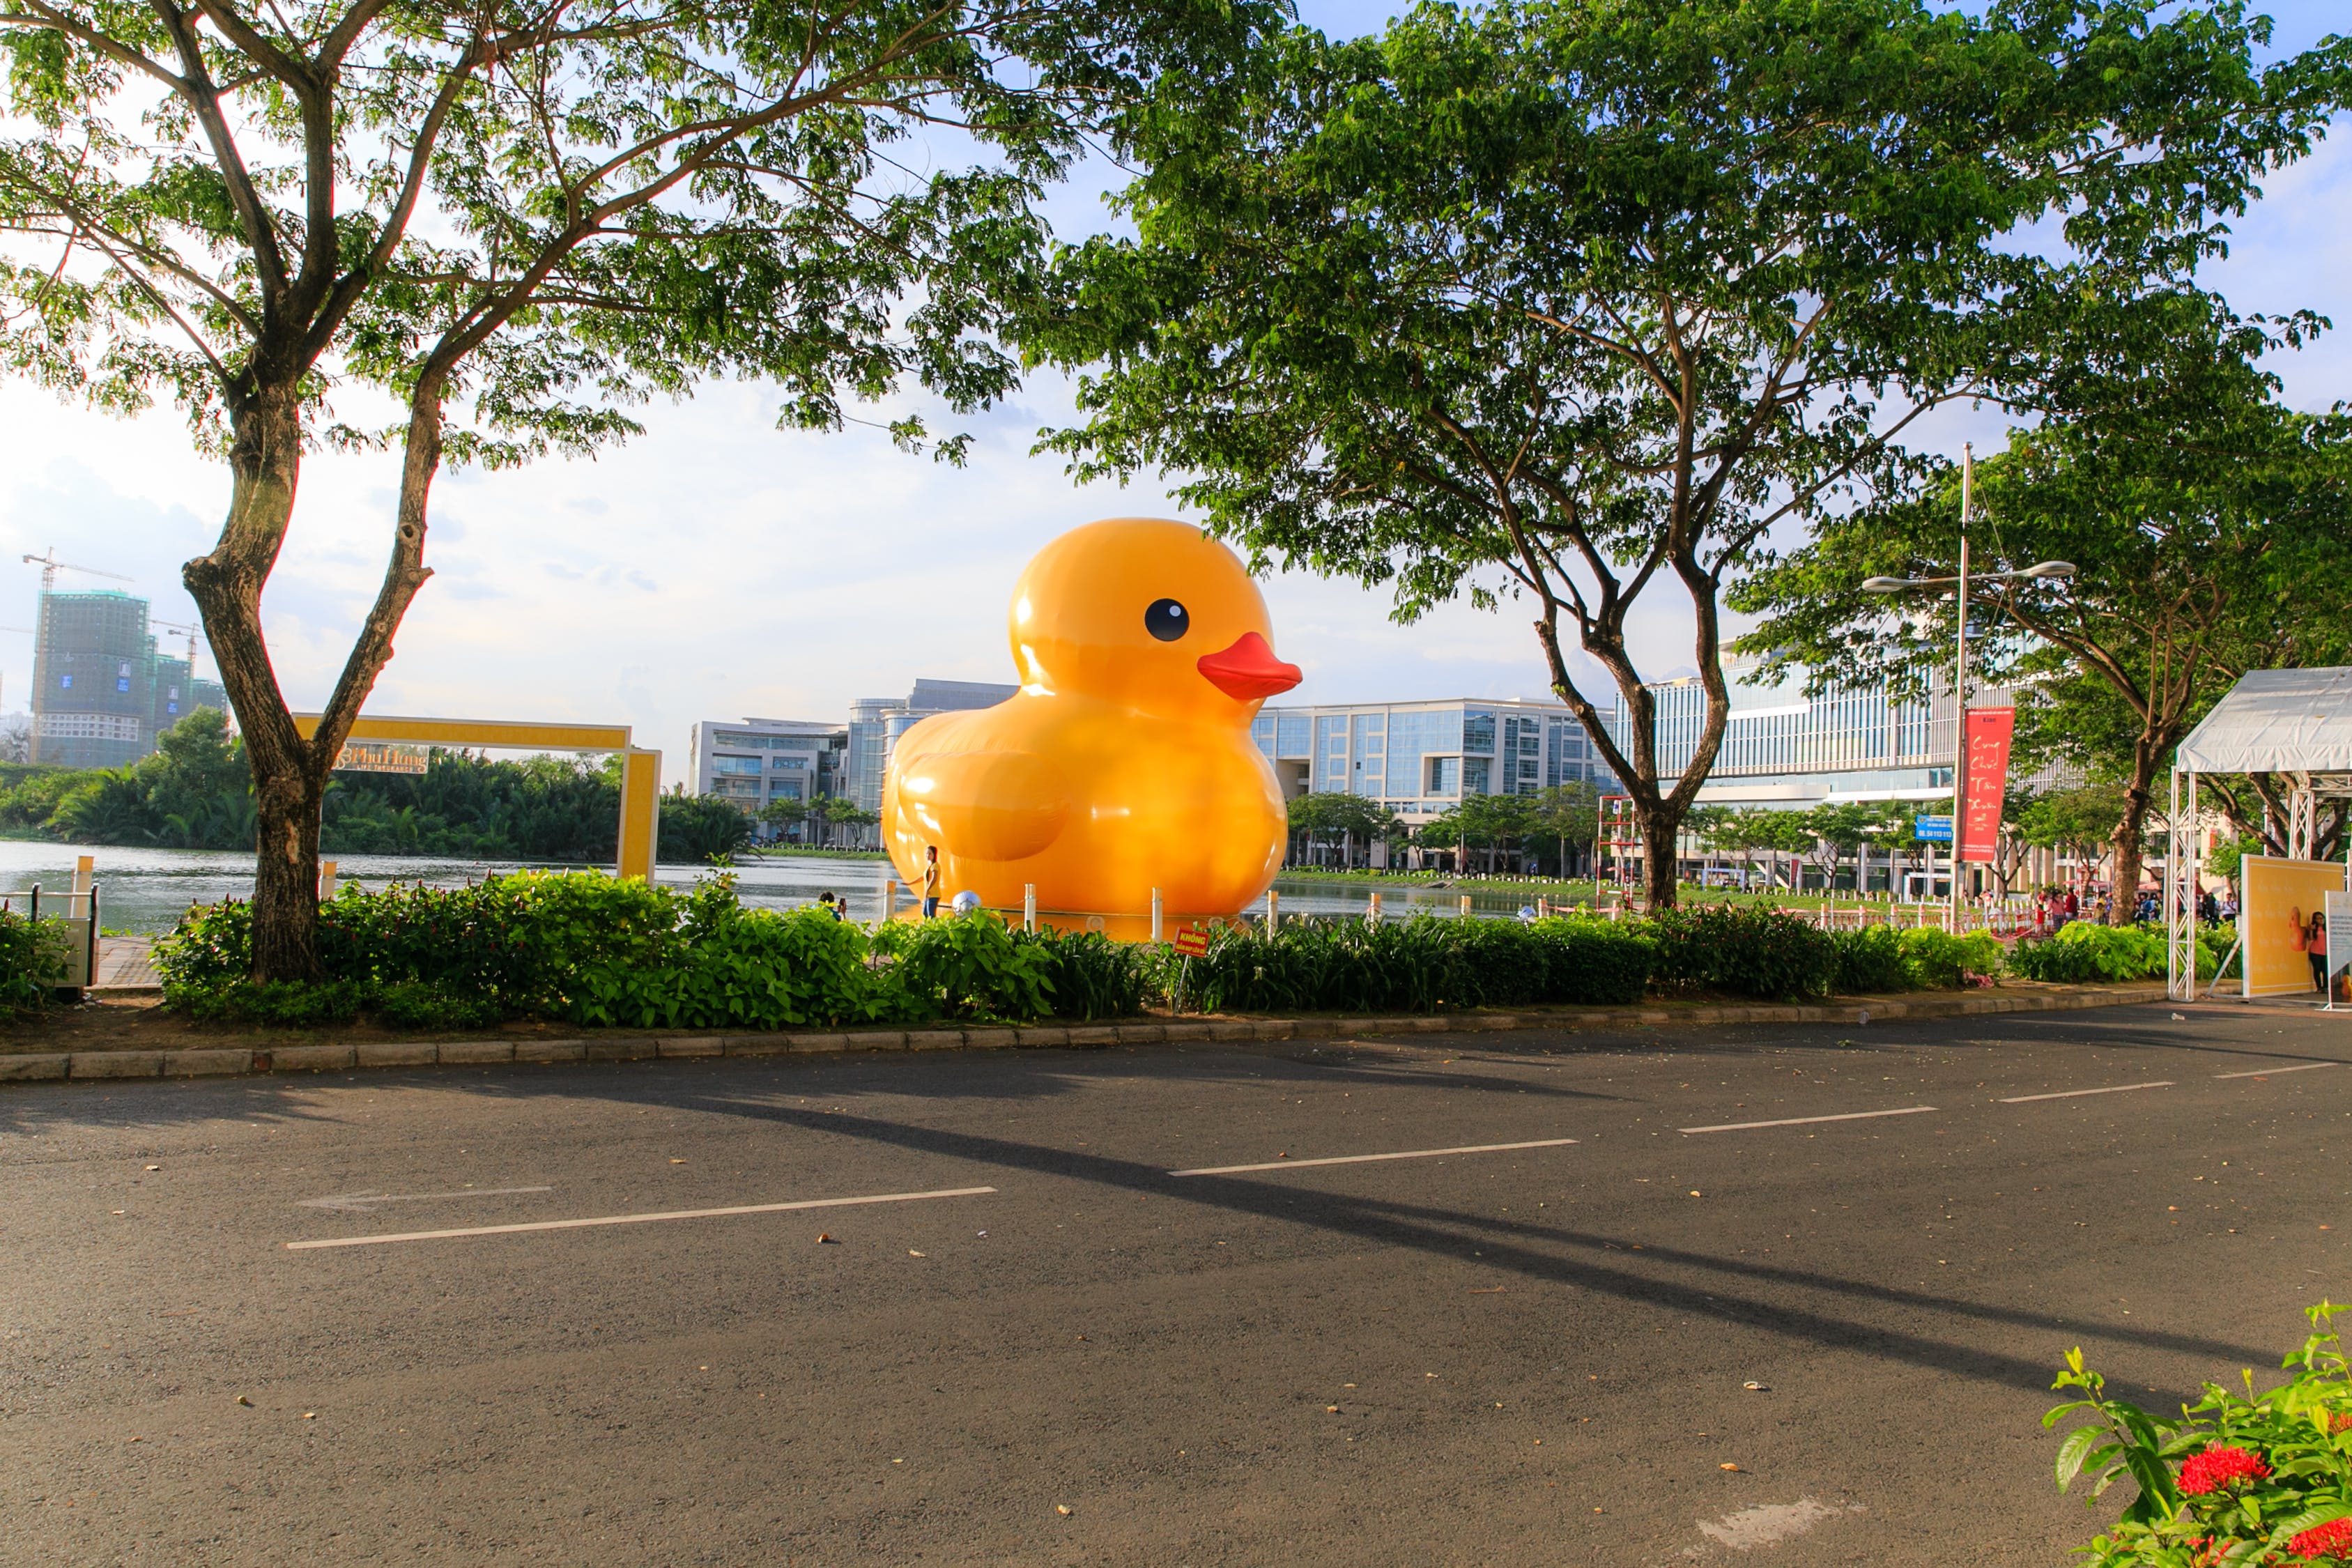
<point x="1192" y="942"/>
<point x="1989" y="730"/>
<point x="382" y="757"/>
<point x="1932" y="829"/>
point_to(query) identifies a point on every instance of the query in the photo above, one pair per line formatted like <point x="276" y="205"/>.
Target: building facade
<point x="1419" y="759"/>
<point x="1781" y="748"/>
<point x="100" y="692"/>
<point x="876" y="722"/>
<point x="755" y="763"/>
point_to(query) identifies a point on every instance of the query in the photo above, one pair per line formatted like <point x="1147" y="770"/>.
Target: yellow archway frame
<point x="640" y="770"/>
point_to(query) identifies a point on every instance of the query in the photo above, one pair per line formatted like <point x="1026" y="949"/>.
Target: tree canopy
<point x="2199" y="515"/>
<point x="1566" y="299"/>
<point x="508" y="223"/>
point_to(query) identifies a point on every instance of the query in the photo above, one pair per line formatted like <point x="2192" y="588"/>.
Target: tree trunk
<point x="2122" y="892"/>
<point x="291" y="772"/>
<point x="264" y="462"/>
<point x="1659" y="825"/>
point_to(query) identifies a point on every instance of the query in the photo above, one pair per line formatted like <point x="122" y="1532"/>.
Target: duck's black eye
<point x="1166" y="620"/>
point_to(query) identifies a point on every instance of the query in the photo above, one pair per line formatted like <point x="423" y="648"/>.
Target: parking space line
<point x="2078" y="1093"/>
<point x="1369" y="1158"/>
<point x="635" y="1218"/>
<point x="1807" y="1120"/>
<point x="2271" y="1072"/>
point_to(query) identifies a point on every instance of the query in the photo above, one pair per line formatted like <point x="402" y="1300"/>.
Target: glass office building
<point x="1420" y="758"/>
<point x="1784" y="748"/>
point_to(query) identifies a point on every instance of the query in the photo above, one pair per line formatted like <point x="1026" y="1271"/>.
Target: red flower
<point x="2217" y="1467"/>
<point x="2333" y="1539"/>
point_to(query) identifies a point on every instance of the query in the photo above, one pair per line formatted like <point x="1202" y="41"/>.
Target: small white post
<point x="1466" y="906"/>
<point x="325" y="880"/>
<point x="1273" y="910"/>
<point x="1155" y="914"/>
<point x="890" y="898"/>
<point x="85" y="872"/>
<point x="1374" y="916"/>
<point x="1028" y="905"/>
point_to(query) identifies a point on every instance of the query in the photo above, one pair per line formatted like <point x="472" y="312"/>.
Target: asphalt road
<point x="1531" y="1355"/>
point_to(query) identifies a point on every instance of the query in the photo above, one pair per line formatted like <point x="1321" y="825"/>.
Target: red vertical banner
<point x="1989" y="732"/>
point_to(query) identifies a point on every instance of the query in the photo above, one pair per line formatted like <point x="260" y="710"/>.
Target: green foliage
<point x="2292" y="1446"/>
<point x="1395" y="307"/>
<point x="1938" y="960"/>
<point x="277" y="1004"/>
<point x="698" y="829"/>
<point x="1869" y="960"/>
<point x="1421" y="966"/>
<point x="1748" y="951"/>
<point x="33" y="956"/>
<point x="595" y="950"/>
<point x="1092" y="977"/>
<point x="974" y="966"/>
<point x="2084" y="952"/>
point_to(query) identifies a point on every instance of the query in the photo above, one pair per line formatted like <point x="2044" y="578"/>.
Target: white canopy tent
<point x="2295" y="722"/>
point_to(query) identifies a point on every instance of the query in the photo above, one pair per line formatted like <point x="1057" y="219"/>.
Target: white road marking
<point x="1807" y="1120"/>
<point x="2078" y="1093"/>
<point x="1369" y="1158"/>
<point x="361" y="1203"/>
<point x="637" y="1218"/>
<point x="2267" y="1072"/>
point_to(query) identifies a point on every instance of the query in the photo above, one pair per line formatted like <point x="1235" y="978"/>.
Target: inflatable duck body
<point x="1125" y="762"/>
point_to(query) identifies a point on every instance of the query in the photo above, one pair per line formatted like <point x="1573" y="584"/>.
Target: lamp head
<point x="2050" y="569"/>
<point x="1889" y="585"/>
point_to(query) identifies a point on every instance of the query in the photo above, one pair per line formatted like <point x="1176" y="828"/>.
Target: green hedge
<point x="1421" y="966"/>
<point x="2086" y="953"/>
<point x="591" y="950"/>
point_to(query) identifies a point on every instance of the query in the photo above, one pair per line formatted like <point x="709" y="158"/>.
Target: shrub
<point x="1938" y="960"/>
<point x="33" y="956"/>
<point x="282" y="1004"/>
<point x="1870" y="960"/>
<point x="1094" y="977"/>
<point x="1421" y="965"/>
<point x="2083" y="952"/>
<point x="428" y="1005"/>
<point x="2245" y="1479"/>
<point x="1747" y="951"/>
<point x="974" y="966"/>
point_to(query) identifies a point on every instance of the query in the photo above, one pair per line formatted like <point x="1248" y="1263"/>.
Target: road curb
<point x="215" y="1061"/>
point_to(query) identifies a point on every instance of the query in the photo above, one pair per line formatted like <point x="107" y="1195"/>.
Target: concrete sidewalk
<point x="215" y="1061"/>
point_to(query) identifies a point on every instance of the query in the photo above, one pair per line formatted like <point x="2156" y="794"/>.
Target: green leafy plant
<point x="1938" y="960"/>
<point x="2086" y="953"/>
<point x="1745" y="950"/>
<point x="2241" y="1480"/>
<point x="33" y="955"/>
<point x="1422" y="964"/>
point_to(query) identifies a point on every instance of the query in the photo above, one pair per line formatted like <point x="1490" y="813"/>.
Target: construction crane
<point x="194" y="634"/>
<point x="51" y="566"/>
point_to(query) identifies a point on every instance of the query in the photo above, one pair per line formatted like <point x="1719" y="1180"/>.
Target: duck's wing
<point x="989" y="806"/>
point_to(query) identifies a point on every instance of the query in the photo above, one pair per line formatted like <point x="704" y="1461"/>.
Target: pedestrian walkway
<point x="127" y="963"/>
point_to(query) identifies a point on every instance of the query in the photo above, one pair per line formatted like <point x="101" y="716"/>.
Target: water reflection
<point x="146" y="890"/>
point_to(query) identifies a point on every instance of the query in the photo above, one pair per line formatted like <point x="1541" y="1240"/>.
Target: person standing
<point x="2311" y="936"/>
<point x="932" y="880"/>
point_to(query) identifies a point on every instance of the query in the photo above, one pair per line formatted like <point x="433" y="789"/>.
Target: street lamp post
<point x="2040" y="570"/>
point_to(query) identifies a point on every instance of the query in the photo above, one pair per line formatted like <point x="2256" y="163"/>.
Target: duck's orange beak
<point x="1248" y="669"/>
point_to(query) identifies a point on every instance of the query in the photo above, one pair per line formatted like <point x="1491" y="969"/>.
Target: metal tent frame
<point x="2296" y="722"/>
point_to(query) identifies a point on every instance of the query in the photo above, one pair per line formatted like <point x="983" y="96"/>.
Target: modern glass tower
<point x="1420" y="758"/>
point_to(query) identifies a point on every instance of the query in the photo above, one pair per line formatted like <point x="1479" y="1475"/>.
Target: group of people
<point x="833" y="903"/>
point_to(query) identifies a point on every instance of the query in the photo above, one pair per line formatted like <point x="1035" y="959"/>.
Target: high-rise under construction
<point x="100" y="692"/>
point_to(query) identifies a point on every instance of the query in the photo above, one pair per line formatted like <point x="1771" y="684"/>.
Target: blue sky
<point x="717" y="567"/>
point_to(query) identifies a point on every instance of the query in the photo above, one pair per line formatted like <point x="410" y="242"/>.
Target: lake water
<point x="146" y="890"/>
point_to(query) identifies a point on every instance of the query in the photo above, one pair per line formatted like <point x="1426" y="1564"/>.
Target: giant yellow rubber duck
<point x="1124" y="763"/>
